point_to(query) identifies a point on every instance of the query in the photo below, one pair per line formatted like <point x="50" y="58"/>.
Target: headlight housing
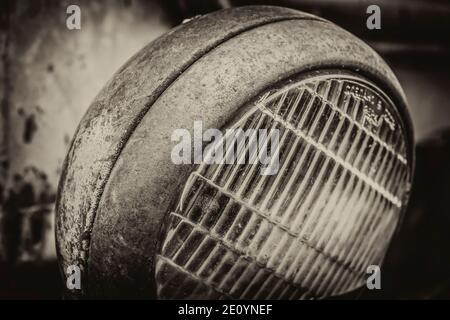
<point x="136" y="223"/>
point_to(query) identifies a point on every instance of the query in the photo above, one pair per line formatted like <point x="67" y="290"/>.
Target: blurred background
<point x="50" y="74"/>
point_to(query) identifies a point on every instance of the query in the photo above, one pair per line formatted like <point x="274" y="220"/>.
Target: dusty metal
<point x="118" y="182"/>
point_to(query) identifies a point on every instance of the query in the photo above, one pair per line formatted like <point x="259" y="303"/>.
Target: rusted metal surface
<point x="118" y="182"/>
<point x="49" y="76"/>
<point x="121" y="105"/>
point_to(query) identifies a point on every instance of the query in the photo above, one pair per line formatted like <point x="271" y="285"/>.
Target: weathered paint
<point x="50" y="74"/>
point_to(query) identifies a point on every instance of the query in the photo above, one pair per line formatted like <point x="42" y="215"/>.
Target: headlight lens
<point x="310" y="230"/>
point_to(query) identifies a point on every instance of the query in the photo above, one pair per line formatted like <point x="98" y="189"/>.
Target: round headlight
<point x="308" y="230"/>
<point x="140" y="225"/>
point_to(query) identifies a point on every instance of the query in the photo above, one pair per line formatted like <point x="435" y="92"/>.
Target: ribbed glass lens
<point x="308" y="231"/>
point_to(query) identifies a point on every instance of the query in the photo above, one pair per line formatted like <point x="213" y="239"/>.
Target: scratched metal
<point x="309" y="231"/>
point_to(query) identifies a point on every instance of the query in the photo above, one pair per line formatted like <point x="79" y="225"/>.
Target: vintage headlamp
<point x="141" y="226"/>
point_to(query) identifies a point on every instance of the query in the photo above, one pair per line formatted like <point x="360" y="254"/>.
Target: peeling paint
<point x="49" y="75"/>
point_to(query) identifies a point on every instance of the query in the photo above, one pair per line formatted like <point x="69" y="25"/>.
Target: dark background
<point x="49" y="75"/>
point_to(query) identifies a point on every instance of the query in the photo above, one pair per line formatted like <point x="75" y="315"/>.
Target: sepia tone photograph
<point x="225" y="150"/>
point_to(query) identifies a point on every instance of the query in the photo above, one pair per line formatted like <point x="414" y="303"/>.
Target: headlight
<point x="139" y="225"/>
<point x="310" y="230"/>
